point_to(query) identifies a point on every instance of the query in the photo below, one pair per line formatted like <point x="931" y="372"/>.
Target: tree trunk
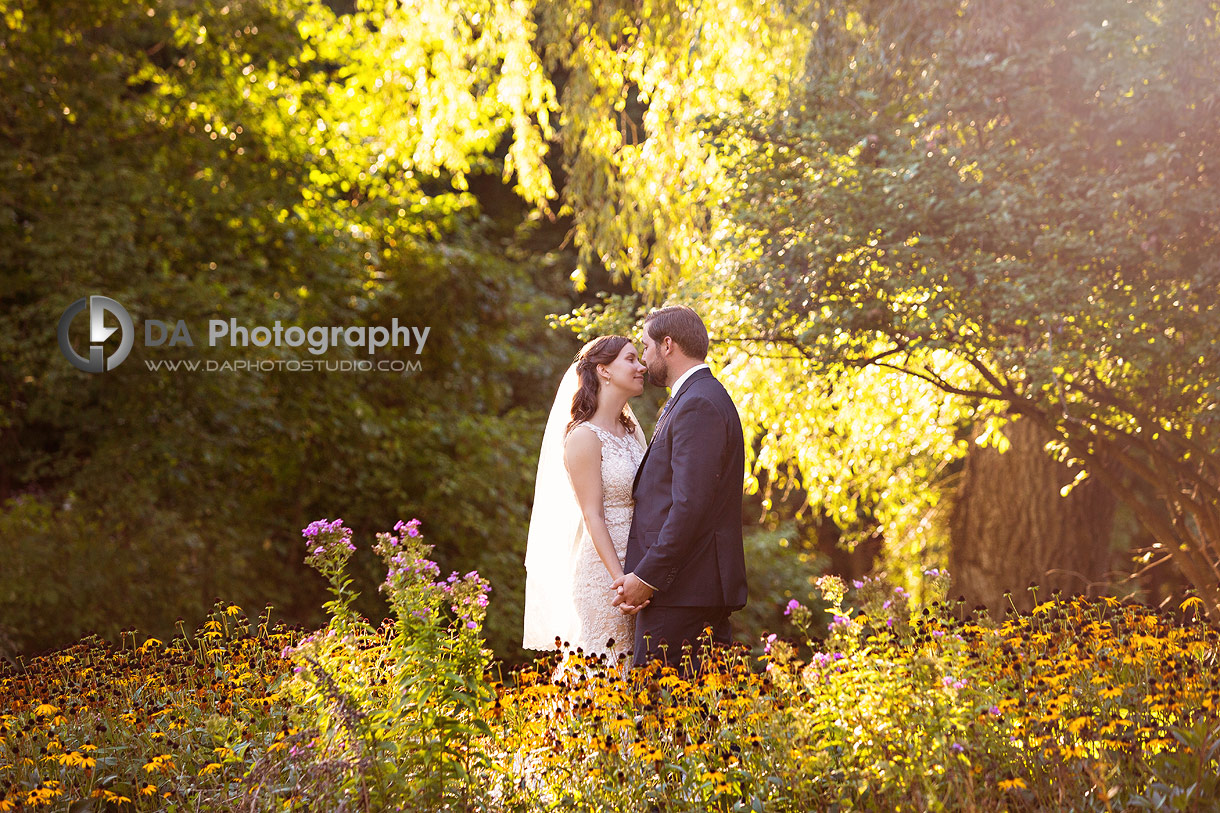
<point x="1011" y="527"/>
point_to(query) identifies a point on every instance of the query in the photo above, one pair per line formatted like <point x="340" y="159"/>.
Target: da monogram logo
<point x="98" y="333"/>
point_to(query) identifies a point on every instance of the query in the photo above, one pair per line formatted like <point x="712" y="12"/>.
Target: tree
<point x="1012" y="525"/>
<point x="229" y="161"/>
<point x="1009" y="202"/>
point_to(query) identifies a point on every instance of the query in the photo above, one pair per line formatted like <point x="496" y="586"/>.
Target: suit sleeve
<point x="698" y="439"/>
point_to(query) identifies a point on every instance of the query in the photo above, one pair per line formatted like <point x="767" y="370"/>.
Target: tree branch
<point x="941" y="384"/>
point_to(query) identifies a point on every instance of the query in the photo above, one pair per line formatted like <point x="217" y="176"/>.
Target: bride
<point x="581" y="518"/>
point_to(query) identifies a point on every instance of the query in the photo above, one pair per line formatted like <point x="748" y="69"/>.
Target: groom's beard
<point x="658" y="373"/>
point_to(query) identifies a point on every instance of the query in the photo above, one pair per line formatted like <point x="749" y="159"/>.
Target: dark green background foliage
<point x="136" y="496"/>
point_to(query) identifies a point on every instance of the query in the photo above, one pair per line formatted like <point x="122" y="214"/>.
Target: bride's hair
<point x="602" y="350"/>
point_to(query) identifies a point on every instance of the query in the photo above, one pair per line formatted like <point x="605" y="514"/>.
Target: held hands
<point x="631" y="594"/>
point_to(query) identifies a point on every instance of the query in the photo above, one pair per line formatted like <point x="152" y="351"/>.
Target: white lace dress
<point x="600" y="621"/>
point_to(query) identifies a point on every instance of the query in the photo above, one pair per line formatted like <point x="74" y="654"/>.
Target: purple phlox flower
<point x="770" y="640"/>
<point x="931" y="574"/>
<point x="994" y="711"/>
<point x="856" y="583"/>
<point x="792" y="607"/>
<point x="410" y="528"/>
<point x="889" y="622"/>
<point x="474" y="574"/>
<point x="471" y="625"/>
<point x="452" y="577"/>
<point x="887" y="604"/>
<point x="481" y="600"/>
<point x="938" y="633"/>
<point x="958" y="747"/>
<point x="319" y="549"/>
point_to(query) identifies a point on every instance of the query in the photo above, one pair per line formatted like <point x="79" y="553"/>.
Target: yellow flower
<point x="161" y="762"/>
<point x="1009" y="784"/>
<point x="1193" y="601"/>
<point x="209" y="768"/>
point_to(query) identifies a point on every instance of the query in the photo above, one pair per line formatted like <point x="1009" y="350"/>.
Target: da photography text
<point x="176" y="333"/>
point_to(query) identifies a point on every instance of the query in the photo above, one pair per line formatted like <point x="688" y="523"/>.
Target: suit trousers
<point x="662" y="632"/>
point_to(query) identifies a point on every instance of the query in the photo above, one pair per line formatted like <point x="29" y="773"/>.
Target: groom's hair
<point x="681" y="324"/>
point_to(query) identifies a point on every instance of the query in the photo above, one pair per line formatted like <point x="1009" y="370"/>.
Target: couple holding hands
<point x="637" y="545"/>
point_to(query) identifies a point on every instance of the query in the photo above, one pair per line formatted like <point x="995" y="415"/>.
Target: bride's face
<point x="625" y="372"/>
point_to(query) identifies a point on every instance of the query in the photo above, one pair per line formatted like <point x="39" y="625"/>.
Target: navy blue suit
<point x="686" y="528"/>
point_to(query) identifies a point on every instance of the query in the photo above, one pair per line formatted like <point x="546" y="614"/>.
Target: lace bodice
<point x="600" y="620"/>
<point x="620" y="459"/>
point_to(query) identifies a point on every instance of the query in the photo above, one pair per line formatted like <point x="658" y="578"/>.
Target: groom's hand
<point x="631" y="594"/>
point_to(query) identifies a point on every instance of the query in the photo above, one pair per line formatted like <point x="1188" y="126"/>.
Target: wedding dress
<point x="567" y="587"/>
<point x="604" y="630"/>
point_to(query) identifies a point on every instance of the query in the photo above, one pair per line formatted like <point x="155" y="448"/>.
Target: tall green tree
<point x="263" y="161"/>
<point x="1010" y="202"/>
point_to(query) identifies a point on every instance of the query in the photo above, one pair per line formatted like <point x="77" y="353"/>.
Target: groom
<point x="684" y="553"/>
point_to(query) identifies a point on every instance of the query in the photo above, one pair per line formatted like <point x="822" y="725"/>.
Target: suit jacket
<point x="686" y="529"/>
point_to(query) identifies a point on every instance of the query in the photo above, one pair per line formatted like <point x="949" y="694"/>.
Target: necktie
<point x="661" y="420"/>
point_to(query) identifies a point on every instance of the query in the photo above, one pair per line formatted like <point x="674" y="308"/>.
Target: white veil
<point x="556" y="527"/>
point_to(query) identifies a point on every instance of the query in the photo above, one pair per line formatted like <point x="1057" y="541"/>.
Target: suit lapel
<point x="673" y="404"/>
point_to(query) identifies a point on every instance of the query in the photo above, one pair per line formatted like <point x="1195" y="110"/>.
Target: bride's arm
<point x="582" y="455"/>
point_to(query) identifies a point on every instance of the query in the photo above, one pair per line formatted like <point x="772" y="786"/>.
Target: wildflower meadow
<point x="1079" y="705"/>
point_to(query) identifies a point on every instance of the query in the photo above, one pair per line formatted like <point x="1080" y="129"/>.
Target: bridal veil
<point x="556" y="528"/>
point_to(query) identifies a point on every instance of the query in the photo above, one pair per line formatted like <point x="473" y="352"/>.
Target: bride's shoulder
<point x="590" y="437"/>
<point x="579" y="447"/>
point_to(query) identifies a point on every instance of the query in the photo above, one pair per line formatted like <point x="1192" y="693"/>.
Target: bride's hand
<point x="632" y="609"/>
<point x="632" y="594"/>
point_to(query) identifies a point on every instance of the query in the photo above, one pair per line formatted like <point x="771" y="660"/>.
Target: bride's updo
<point x="602" y="350"/>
